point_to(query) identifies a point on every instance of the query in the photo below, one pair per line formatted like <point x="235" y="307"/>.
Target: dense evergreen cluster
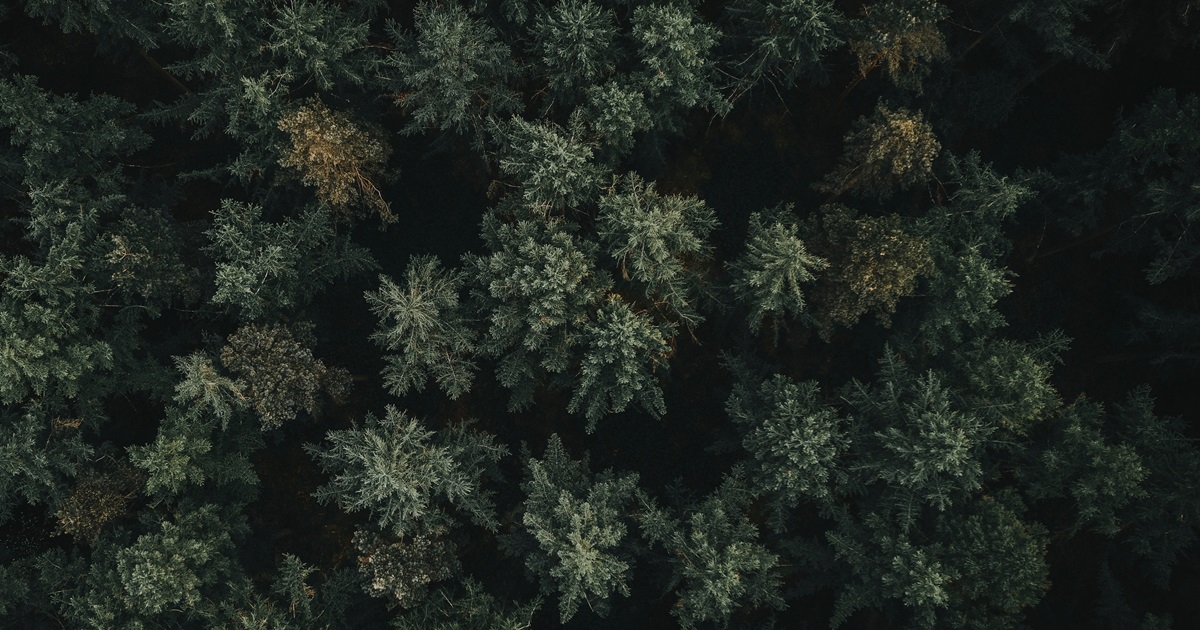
<point x="598" y="313"/>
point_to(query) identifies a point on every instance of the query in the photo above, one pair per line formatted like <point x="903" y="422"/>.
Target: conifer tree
<point x="613" y="114"/>
<point x="268" y="268"/>
<point x="578" y="524"/>
<point x="676" y="74"/>
<point x="467" y="608"/>
<point x="278" y="374"/>
<point x="576" y="41"/>
<point x="767" y="276"/>
<point x="901" y="37"/>
<point x="660" y="242"/>
<point x="535" y="292"/>
<point x="425" y="321"/>
<point x="785" y="40"/>
<point x="718" y="565"/>
<point x="453" y="72"/>
<point x="892" y="150"/>
<point x="401" y="570"/>
<point x="337" y="156"/>
<point x="873" y="263"/>
<point x="623" y="350"/>
<point x="405" y="474"/>
<point x="553" y="167"/>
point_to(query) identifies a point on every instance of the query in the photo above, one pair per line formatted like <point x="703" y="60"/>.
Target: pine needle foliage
<point x="718" y="565"/>
<point x="402" y="570"/>
<point x="337" y="156"/>
<point x="576" y="41"/>
<point x="425" y="321"/>
<point x="901" y="37"/>
<point x="891" y="150"/>
<point x="660" y="242"/>
<point x="768" y="274"/>
<point x="579" y="525"/>
<point x="622" y="351"/>
<point x="554" y="168"/>
<point x="406" y="475"/>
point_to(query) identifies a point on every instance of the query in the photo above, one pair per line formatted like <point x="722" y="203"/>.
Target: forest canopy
<point x="454" y="314"/>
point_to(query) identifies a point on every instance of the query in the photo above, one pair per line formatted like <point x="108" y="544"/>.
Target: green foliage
<point x="576" y="43"/>
<point x="453" y="72"/>
<point x="401" y="570"/>
<point x="892" y="150"/>
<point x="623" y="350"/>
<point x="266" y="268"/>
<point x="796" y="441"/>
<point x="1057" y="25"/>
<point x="873" y="262"/>
<point x="966" y="244"/>
<point x="427" y="324"/>
<point x="403" y="473"/>
<point x="718" y="565"/>
<point x="613" y="114"/>
<point x="901" y="37"/>
<point x="1008" y="382"/>
<point x="471" y="609"/>
<point x="786" y="40"/>
<point x="36" y="459"/>
<point x="145" y="261"/>
<point x="554" y="168"/>
<point x="768" y="275"/>
<point x="925" y="448"/>
<point x="179" y="564"/>
<point x="676" y="73"/>
<point x="578" y="524"/>
<point x="49" y="323"/>
<point x="535" y="292"/>
<point x="1099" y="478"/>
<point x="279" y="374"/>
<point x="660" y="242"/>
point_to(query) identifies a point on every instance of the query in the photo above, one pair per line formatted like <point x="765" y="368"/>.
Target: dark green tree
<point x="553" y="167"/>
<point x="575" y="530"/>
<point x="535" y="292"/>
<point x="269" y="268"/>
<point x="622" y="351"/>
<point x="767" y="276"/>
<point x="576" y="42"/>
<point x="453" y="72"/>
<point x="660" y="243"/>
<point x="405" y="474"/>
<point x="901" y="37"/>
<point x="425" y="321"/>
<point x="718" y="565"/>
<point x="892" y="150"/>
<point x="677" y="73"/>
<point x="783" y="41"/>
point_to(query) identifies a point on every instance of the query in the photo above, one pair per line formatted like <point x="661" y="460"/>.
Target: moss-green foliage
<point x="406" y="475"/>
<point x="892" y="150"/>
<point x="718" y="565"/>
<point x="426" y="322"/>
<point x="768" y="275"/>
<point x="265" y="268"/>
<point x="578" y="526"/>
<point x="660" y="243"/>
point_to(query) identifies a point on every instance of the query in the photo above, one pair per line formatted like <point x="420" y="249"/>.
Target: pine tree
<point x="401" y="570"/>
<point x="184" y="561"/>
<point x="873" y="262"/>
<point x="613" y="114"/>
<point x="892" y="150"/>
<point x="576" y="41"/>
<point x="796" y="442"/>
<point x="427" y="324"/>
<point x="404" y="474"/>
<point x="453" y="72"/>
<point x="676" y="73"/>
<point x="470" y="608"/>
<point x="553" y="167"/>
<point x="784" y="40"/>
<point x="718" y="565"/>
<point x="660" y="242"/>
<point x="623" y="350"/>
<point x="278" y="374"/>
<point x="577" y="522"/>
<point x="337" y="156"/>
<point x="768" y="275"/>
<point x="535" y="292"/>
<point x="267" y="268"/>
<point x="901" y="37"/>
